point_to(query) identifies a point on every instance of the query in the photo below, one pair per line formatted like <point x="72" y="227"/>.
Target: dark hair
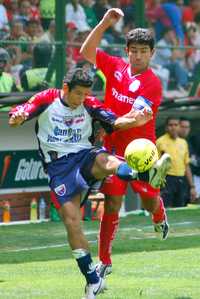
<point x="171" y="118"/>
<point x="42" y="53"/>
<point x="166" y="30"/>
<point x="78" y="76"/>
<point x="140" y="36"/>
<point x="4" y="55"/>
<point x="184" y="118"/>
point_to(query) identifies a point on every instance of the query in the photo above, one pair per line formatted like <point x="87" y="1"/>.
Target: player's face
<point x="139" y="56"/>
<point x="77" y="96"/>
<point x="173" y="128"/>
<point x="184" y="129"/>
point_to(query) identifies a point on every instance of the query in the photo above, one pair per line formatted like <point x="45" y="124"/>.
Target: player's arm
<point x="188" y="174"/>
<point x="32" y="108"/>
<point x="92" y="42"/>
<point x="137" y="118"/>
<point x="109" y="119"/>
<point x="141" y="110"/>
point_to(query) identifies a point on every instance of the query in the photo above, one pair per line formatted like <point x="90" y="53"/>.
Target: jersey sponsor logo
<point x="118" y="76"/>
<point x="68" y="121"/>
<point x="79" y="120"/>
<point x="56" y="120"/>
<point x="60" y="190"/>
<point x="121" y="97"/>
<point x="51" y="138"/>
<point x="73" y="135"/>
<point x="134" y="85"/>
<point x="63" y="132"/>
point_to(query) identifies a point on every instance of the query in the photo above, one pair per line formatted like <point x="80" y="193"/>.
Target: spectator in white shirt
<point x="3" y="17"/>
<point x="75" y="13"/>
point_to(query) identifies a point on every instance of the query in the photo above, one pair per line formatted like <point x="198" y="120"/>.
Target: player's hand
<point x="112" y="16"/>
<point x="17" y="118"/>
<point x="141" y="116"/>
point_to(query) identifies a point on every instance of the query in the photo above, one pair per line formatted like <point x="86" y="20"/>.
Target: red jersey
<point x="122" y="91"/>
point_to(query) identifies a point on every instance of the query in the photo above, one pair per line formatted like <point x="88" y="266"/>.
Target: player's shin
<point x="159" y="215"/>
<point x="86" y="265"/>
<point x="108" y="229"/>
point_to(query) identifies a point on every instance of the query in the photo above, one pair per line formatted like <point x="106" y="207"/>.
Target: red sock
<point x="108" y="228"/>
<point x="160" y="214"/>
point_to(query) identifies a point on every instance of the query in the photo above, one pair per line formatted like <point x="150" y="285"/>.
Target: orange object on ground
<point x="6" y="212"/>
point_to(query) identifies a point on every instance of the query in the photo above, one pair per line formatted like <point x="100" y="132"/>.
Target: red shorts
<point x="114" y="186"/>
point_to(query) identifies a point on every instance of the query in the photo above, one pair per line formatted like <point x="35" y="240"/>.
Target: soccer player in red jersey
<point x="129" y="85"/>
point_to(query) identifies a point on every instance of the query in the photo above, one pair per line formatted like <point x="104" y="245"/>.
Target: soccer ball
<point x="141" y="154"/>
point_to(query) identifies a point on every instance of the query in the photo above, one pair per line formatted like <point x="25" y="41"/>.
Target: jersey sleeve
<point x="105" y="62"/>
<point x="37" y="103"/>
<point x="97" y="111"/>
<point x="151" y="94"/>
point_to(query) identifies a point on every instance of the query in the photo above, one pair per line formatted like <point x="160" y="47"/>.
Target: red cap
<point x="71" y="25"/>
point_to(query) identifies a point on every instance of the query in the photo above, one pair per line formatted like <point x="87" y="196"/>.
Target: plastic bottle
<point x="6" y="212"/>
<point x="33" y="210"/>
<point x="42" y="209"/>
<point x="53" y="213"/>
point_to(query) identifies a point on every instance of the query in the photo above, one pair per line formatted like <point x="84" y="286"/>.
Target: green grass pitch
<point x="36" y="262"/>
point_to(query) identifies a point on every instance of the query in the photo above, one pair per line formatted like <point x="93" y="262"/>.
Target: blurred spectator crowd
<point x="27" y="35"/>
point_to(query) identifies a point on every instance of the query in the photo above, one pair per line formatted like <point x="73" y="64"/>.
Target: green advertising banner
<point x="21" y="169"/>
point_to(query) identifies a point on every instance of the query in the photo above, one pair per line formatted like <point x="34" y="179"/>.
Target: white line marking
<point x="95" y="232"/>
<point x="23" y="222"/>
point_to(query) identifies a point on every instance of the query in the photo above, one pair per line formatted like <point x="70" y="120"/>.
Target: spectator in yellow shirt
<point x="174" y="192"/>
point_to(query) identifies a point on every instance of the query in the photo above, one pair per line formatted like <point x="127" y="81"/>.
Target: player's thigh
<point x="114" y="186"/>
<point x="148" y="195"/>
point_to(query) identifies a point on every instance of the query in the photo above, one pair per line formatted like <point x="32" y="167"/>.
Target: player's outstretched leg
<point x="155" y="176"/>
<point x="158" y="172"/>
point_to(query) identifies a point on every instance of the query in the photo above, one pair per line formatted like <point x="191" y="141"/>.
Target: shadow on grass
<point x="183" y="298"/>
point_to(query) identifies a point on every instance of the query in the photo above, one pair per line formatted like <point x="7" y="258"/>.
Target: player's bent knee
<point x="106" y="164"/>
<point x="71" y="222"/>
<point x="150" y="204"/>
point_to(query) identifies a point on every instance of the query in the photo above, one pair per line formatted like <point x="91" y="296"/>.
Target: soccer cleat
<point x="159" y="171"/>
<point x="92" y="290"/>
<point x="162" y="229"/>
<point x="103" y="269"/>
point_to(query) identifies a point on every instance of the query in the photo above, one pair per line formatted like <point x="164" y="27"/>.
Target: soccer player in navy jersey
<point x="64" y="128"/>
